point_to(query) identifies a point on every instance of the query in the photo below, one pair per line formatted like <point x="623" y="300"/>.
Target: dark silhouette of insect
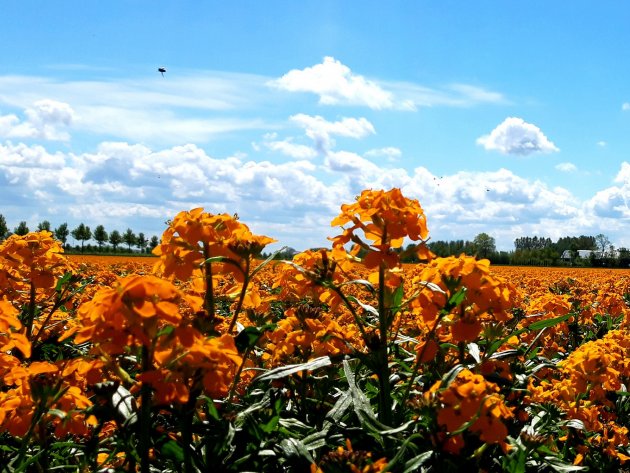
<point x="162" y="70"/>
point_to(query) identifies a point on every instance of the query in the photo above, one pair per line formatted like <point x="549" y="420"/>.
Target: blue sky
<point x="500" y="117"/>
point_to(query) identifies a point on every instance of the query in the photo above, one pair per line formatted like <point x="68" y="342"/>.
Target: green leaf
<point x="548" y="322"/>
<point x="267" y="261"/>
<point x="284" y="371"/>
<point x="450" y="375"/>
<point x="473" y="350"/>
<point x="504" y="354"/>
<point x="362" y="406"/>
<point x="413" y="464"/>
<point x="574" y="424"/>
<point x="396" y="298"/>
<point x="560" y="466"/>
<point x="168" y="330"/>
<point x="125" y="404"/>
<point x="63" y="280"/>
<point x="457" y="298"/>
<point x="173" y="450"/>
<point x="247" y="338"/>
<point x="361" y="282"/>
<point x="366" y="307"/>
<point x="270" y="426"/>
<point x="294" y="448"/>
<point x="432" y="286"/>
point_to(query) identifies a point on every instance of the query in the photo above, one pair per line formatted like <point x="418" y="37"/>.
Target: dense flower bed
<point x="343" y="359"/>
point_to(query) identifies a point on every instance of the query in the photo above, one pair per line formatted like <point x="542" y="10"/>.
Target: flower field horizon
<point x="205" y="358"/>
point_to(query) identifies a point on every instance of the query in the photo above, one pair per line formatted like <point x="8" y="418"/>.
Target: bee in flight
<point x="162" y="70"/>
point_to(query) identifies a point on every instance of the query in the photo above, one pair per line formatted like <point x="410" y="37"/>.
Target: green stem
<point x="381" y="354"/>
<point x="145" y="414"/>
<point x="31" y="311"/>
<point x="58" y="303"/>
<point x="209" y="296"/>
<point x="351" y="309"/>
<point x="416" y="367"/>
<point x="239" y="305"/>
<point x="186" y="426"/>
<point x="237" y="376"/>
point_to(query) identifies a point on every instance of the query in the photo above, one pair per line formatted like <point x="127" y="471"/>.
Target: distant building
<point x="567" y="255"/>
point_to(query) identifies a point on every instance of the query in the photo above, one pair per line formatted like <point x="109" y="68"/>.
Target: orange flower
<point x="485" y="298"/>
<point x="189" y="357"/>
<point x="194" y="236"/>
<point x="10" y="330"/>
<point x="130" y="314"/>
<point x="469" y="397"/>
<point x="384" y="219"/>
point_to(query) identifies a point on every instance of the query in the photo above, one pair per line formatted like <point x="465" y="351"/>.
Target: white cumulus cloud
<point x="320" y="130"/>
<point x="46" y="120"/>
<point x="516" y="136"/>
<point x="288" y="148"/>
<point x="336" y="84"/>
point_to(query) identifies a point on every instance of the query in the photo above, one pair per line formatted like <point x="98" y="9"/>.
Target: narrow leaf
<point x="284" y="371"/>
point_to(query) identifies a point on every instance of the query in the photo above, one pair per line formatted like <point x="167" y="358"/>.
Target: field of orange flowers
<point x="205" y="358"/>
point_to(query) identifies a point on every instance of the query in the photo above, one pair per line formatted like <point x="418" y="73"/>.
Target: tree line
<point x="540" y="251"/>
<point x="528" y="250"/>
<point x="105" y="241"/>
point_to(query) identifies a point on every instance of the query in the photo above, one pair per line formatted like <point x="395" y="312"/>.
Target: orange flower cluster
<point x="307" y="333"/>
<point x="41" y="394"/>
<point x="146" y="311"/>
<point x="188" y="361"/>
<point x="486" y="298"/>
<point x="194" y="236"/>
<point x="11" y="335"/>
<point x="150" y="334"/>
<point x="312" y="275"/>
<point x="584" y="387"/>
<point x="384" y="219"/>
<point x="471" y="403"/>
<point x="130" y="313"/>
<point x="35" y="258"/>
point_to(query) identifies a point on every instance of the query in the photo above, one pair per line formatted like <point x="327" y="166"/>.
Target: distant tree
<point x="4" y="229"/>
<point x="129" y="237"/>
<point x="43" y="225"/>
<point x="62" y="232"/>
<point x="100" y="235"/>
<point x="115" y="239"/>
<point x="602" y="242"/>
<point x="532" y="243"/>
<point x="450" y="248"/>
<point x="82" y="233"/>
<point x="141" y="242"/>
<point x="155" y="241"/>
<point x="484" y="245"/>
<point x="624" y="257"/>
<point x="21" y="229"/>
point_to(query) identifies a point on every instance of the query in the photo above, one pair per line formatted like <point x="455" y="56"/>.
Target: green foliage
<point x="21" y="229"/>
<point x="4" y="229"/>
<point x="100" y="235"/>
<point x="62" y="232"/>
<point x="115" y="238"/>
<point x="82" y="233"/>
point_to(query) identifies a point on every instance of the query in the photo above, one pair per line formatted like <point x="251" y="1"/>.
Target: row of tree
<point x="538" y="251"/>
<point x="82" y="233"/>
